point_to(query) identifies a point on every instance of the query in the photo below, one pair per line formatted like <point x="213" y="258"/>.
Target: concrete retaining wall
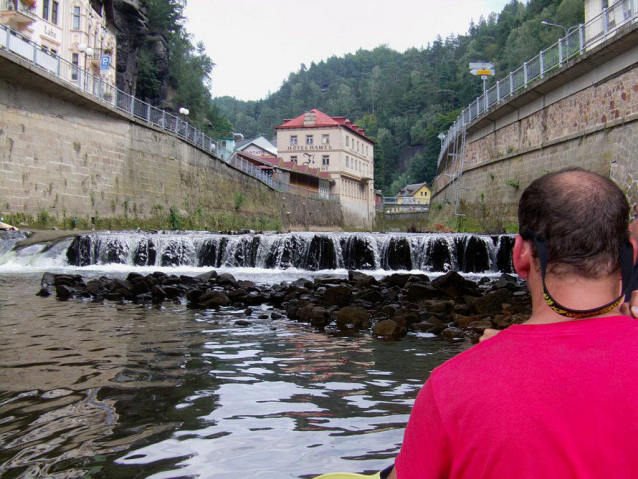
<point x="62" y="153"/>
<point x="585" y="115"/>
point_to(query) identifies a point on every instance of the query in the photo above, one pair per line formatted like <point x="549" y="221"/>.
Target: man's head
<point x="581" y="216"/>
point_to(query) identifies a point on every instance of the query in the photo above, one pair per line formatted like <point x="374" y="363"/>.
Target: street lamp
<point x="88" y="52"/>
<point x="441" y="137"/>
<point x="184" y="112"/>
<point x="566" y="30"/>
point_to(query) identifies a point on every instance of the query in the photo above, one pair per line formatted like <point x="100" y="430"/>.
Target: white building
<point x="63" y="26"/>
<point x="339" y="147"/>
<point x="604" y="17"/>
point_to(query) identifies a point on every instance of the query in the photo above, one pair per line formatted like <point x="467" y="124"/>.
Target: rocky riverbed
<point x="450" y="305"/>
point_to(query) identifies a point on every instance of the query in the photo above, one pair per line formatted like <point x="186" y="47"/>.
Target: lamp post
<point x="441" y="137"/>
<point x="88" y="52"/>
<point x="566" y="30"/>
<point x="184" y="112"/>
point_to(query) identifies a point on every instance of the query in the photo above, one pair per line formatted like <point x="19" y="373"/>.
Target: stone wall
<point x="588" y="120"/>
<point x="69" y="157"/>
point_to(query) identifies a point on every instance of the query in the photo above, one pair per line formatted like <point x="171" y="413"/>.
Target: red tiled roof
<point x="322" y="120"/>
<point x="288" y="165"/>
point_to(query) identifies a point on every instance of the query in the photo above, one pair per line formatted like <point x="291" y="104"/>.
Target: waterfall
<point x="306" y="251"/>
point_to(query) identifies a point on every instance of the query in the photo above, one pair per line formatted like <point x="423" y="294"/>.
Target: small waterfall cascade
<point x="305" y="251"/>
<point x="8" y="240"/>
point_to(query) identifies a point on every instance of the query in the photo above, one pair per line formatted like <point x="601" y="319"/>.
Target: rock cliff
<point x="132" y="31"/>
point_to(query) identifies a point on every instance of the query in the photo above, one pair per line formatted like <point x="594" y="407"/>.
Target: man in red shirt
<point x="555" y="397"/>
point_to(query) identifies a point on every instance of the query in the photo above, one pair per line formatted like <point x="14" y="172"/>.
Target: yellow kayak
<point x="348" y="475"/>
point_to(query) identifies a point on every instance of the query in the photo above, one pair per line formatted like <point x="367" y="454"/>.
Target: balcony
<point x="16" y="14"/>
<point x="95" y="60"/>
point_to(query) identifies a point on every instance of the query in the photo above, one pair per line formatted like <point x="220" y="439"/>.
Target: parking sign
<point x="105" y="62"/>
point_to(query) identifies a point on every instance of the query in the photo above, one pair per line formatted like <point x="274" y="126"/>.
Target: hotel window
<point x="325" y="160"/>
<point x="45" y="9"/>
<point x="309" y="139"/>
<point x="347" y="162"/>
<point x="75" y="60"/>
<point x="54" y="12"/>
<point x="293" y="140"/>
<point x="347" y="141"/>
<point x="325" y="139"/>
<point x="76" y="18"/>
<point x="293" y="159"/>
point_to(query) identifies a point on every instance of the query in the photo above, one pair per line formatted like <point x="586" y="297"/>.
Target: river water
<point x="123" y="390"/>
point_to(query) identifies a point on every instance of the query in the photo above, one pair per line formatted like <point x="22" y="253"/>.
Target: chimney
<point x="310" y="118"/>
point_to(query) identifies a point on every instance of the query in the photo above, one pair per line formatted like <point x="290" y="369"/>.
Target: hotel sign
<point x="308" y="147"/>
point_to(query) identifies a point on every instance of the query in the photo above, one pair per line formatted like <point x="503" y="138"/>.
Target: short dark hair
<point x="582" y="217"/>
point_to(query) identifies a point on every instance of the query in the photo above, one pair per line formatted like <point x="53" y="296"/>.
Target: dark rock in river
<point x="353" y="316"/>
<point x="387" y="328"/>
<point x="451" y="305"/>
<point x="455" y="285"/>
<point x="337" y="296"/>
<point x="491" y="302"/>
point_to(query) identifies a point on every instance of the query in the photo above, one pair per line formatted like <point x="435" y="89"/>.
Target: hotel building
<point x="336" y="146"/>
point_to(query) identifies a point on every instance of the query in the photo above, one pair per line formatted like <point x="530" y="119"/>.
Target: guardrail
<point x="405" y="200"/>
<point x="103" y="92"/>
<point x="573" y="44"/>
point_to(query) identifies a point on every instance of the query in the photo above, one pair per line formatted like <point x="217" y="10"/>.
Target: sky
<point x="256" y="44"/>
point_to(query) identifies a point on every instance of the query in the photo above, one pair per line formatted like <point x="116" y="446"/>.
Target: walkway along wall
<point x="67" y="155"/>
<point x="583" y="115"/>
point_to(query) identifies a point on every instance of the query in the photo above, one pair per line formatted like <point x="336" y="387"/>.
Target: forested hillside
<point x="172" y="72"/>
<point x="404" y="100"/>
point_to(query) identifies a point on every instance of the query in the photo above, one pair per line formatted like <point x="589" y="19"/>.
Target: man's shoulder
<point x="512" y="346"/>
<point x="486" y="351"/>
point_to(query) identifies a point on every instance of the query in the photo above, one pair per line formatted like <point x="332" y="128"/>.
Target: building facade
<point x="257" y="146"/>
<point x="299" y="180"/>
<point x="337" y="146"/>
<point x="604" y="17"/>
<point x="414" y="197"/>
<point x="61" y="27"/>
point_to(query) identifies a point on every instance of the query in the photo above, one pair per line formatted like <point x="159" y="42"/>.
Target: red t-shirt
<point x="544" y="401"/>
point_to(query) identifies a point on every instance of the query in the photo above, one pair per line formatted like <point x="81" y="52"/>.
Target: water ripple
<point x="110" y="390"/>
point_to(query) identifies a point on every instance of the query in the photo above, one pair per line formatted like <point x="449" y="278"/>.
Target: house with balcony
<point x="300" y="180"/>
<point x="80" y="32"/>
<point x="341" y="149"/>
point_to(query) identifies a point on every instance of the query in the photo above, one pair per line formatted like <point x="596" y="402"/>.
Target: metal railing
<point x="405" y="200"/>
<point x="103" y="92"/>
<point x="575" y="43"/>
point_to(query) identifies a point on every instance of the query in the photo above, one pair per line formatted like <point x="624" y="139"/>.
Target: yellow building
<point x="415" y="197"/>
<point x="339" y="147"/>
<point x="416" y="194"/>
<point x="81" y="32"/>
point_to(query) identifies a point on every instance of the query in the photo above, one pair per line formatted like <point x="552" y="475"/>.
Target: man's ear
<point x="522" y="257"/>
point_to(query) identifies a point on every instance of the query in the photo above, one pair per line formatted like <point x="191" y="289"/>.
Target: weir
<point x="305" y="251"/>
